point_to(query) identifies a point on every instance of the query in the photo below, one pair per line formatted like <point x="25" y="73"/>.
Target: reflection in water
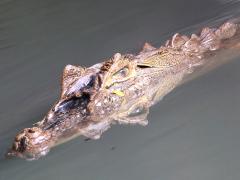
<point x="39" y="38"/>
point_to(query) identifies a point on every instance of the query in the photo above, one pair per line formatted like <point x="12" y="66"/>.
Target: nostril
<point x="31" y="131"/>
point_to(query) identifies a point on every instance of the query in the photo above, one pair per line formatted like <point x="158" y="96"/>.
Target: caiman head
<point x="91" y="99"/>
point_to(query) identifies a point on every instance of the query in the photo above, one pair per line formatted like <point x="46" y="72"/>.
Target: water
<point x="192" y="134"/>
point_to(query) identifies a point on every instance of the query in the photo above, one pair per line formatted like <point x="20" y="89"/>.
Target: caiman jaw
<point x="31" y="144"/>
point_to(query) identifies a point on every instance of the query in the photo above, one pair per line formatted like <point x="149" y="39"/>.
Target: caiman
<point x="120" y="89"/>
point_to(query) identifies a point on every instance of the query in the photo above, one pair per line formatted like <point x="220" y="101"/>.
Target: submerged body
<point x="121" y="89"/>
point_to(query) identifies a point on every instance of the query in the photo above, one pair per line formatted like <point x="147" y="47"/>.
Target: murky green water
<point x="193" y="133"/>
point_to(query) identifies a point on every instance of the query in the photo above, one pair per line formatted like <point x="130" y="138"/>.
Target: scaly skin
<point x="120" y="90"/>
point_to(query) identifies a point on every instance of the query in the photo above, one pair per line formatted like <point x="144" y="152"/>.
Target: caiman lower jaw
<point x="31" y="144"/>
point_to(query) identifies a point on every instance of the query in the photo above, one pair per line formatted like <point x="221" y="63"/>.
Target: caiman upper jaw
<point x="31" y="144"/>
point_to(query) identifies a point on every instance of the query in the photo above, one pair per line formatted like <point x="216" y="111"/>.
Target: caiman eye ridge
<point x="106" y="65"/>
<point x="122" y="89"/>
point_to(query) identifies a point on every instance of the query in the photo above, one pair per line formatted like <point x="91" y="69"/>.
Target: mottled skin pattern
<point x="119" y="90"/>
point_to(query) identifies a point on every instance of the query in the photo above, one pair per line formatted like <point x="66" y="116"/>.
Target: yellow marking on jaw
<point x="118" y="92"/>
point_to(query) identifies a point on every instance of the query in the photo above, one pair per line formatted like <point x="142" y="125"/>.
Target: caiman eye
<point x="121" y="73"/>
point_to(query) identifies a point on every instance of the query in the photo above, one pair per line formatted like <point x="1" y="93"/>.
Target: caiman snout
<point x="31" y="143"/>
